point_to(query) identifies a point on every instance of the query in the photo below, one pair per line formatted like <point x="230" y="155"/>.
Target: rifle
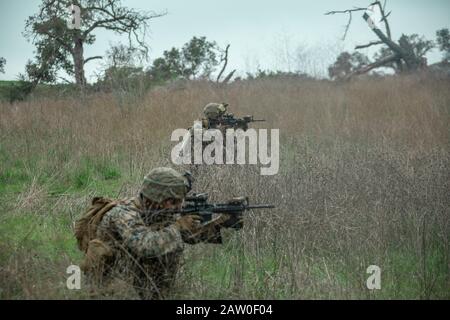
<point x="239" y="123"/>
<point x="198" y="204"/>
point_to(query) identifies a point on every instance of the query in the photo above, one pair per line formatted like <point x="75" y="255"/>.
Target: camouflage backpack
<point x="86" y="226"/>
<point x="95" y="249"/>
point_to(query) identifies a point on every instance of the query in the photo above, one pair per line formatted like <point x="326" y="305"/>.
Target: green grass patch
<point x="13" y="177"/>
<point x="50" y="236"/>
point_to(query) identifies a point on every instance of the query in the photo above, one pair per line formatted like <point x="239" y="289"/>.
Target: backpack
<point x="97" y="253"/>
<point x="86" y="226"/>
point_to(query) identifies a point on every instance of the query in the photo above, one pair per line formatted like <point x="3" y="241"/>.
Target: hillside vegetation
<point x="364" y="180"/>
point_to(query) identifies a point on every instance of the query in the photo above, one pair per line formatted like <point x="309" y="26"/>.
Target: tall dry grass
<point x="363" y="180"/>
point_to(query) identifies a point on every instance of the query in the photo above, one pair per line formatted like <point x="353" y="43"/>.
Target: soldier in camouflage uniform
<point x="147" y="247"/>
<point x="213" y="113"/>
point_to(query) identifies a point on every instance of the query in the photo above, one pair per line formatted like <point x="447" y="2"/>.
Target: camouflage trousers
<point x="154" y="278"/>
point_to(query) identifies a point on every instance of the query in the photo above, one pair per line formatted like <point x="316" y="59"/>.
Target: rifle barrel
<point x="261" y="206"/>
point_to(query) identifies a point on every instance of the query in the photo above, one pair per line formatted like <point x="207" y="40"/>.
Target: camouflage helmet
<point x="165" y="183"/>
<point x="214" y="110"/>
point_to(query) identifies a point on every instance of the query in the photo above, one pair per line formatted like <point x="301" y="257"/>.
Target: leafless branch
<point x="345" y="11"/>
<point x="225" y="62"/>
<point x="123" y="20"/>
<point x="65" y="80"/>
<point x="348" y="25"/>
<point x="92" y="58"/>
<point x="380" y="63"/>
<point x="384" y="17"/>
<point x="349" y="12"/>
<point x="228" y="77"/>
<point x="403" y="53"/>
<point x="373" y="43"/>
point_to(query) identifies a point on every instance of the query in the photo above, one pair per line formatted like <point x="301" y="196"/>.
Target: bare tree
<point x="224" y="60"/>
<point x="405" y="55"/>
<point x="55" y="41"/>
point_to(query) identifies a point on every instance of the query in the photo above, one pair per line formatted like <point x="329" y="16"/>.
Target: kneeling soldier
<point x="129" y="236"/>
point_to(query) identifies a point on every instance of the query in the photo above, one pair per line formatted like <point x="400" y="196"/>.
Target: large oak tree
<point x="60" y="47"/>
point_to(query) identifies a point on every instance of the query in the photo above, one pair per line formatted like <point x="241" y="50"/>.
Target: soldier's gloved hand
<point x="234" y="221"/>
<point x="188" y="224"/>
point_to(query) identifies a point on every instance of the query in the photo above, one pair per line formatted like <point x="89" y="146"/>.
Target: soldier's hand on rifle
<point x="235" y="220"/>
<point x="207" y="232"/>
<point x="243" y="126"/>
<point x="189" y="224"/>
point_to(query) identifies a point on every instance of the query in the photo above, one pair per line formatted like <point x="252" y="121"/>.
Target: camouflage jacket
<point x="128" y="245"/>
<point x="149" y="254"/>
<point x="123" y="228"/>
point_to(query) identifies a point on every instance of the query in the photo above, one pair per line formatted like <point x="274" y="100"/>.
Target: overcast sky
<point x="284" y="34"/>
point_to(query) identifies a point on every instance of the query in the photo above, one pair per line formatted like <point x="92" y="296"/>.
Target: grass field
<point x="364" y="180"/>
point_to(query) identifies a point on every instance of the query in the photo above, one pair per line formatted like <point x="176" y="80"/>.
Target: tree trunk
<point x="402" y="50"/>
<point x="78" y="61"/>
<point x="380" y="63"/>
